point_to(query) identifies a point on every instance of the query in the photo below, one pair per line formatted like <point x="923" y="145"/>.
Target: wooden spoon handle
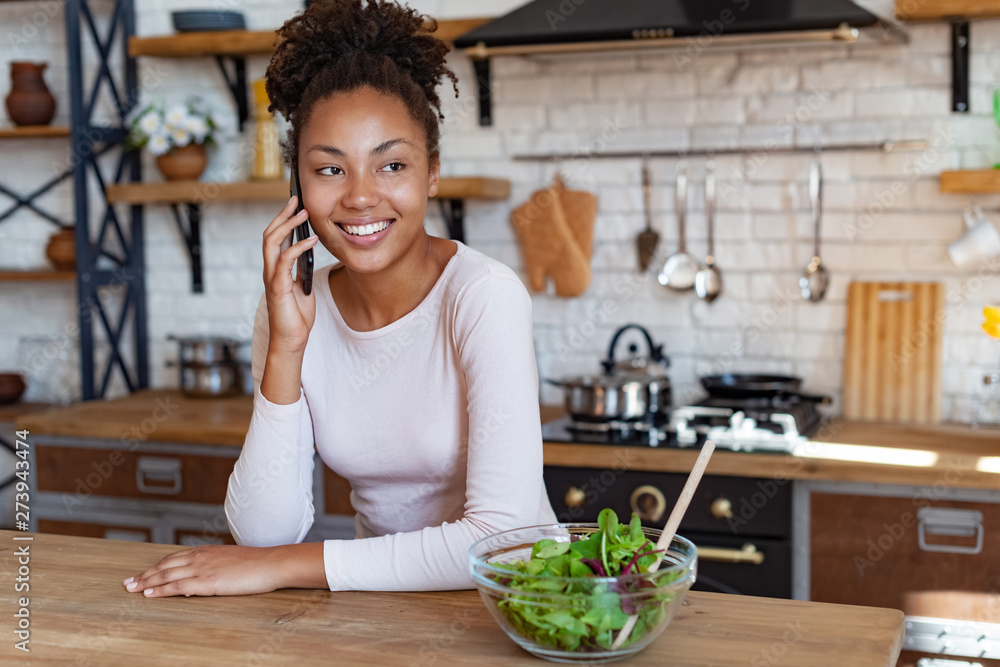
<point x="670" y="529"/>
<point x="687" y="493"/>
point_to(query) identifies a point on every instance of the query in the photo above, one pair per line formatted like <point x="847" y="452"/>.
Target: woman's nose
<point x="361" y="192"/>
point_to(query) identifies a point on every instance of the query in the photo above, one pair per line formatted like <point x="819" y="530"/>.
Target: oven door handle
<point x="748" y="554"/>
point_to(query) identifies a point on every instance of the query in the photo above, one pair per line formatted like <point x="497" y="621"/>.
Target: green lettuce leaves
<point x="585" y="615"/>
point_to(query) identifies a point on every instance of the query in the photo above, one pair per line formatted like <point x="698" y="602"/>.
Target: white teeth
<point x="366" y="230"/>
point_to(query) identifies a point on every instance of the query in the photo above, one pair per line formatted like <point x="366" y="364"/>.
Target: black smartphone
<point x="302" y="232"/>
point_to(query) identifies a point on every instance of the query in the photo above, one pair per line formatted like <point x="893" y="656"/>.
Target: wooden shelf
<point x="29" y="131"/>
<point x="978" y="181"/>
<point x="198" y="192"/>
<point x="36" y="276"/>
<point x="248" y="42"/>
<point x="941" y="10"/>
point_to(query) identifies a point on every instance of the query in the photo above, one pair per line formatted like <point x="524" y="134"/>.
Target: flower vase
<point x="184" y="163"/>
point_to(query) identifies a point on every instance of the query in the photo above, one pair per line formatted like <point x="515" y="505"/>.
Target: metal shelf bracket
<point x="483" y="87"/>
<point x="453" y="212"/>
<point x="960" y="65"/>
<point x="237" y="85"/>
<point x="192" y="241"/>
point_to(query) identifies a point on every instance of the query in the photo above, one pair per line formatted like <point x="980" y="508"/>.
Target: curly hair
<point x="342" y="45"/>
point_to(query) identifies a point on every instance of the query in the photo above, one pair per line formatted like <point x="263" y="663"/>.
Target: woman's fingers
<point x="160" y="577"/>
<point x="186" y="587"/>
<point x="276" y="236"/>
<point x="173" y="560"/>
<point x="283" y="269"/>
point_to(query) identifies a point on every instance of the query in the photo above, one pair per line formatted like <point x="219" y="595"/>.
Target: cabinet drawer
<point x="105" y="531"/>
<point x="879" y="551"/>
<point x="115" y="473"/>
<point x="336" y="492"/>
<point x="195" y="538"/>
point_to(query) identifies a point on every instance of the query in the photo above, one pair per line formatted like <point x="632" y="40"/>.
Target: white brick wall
<point x="884" y="216"/>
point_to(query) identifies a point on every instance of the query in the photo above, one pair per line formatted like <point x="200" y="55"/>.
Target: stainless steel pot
<point x="204" y="380"/>
<point x="206" y="349"/>
<point x="633" y="390"/>
<point x="615" y="397"/>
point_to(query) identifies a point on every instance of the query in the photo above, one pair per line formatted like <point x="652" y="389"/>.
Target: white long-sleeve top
<point x="433" y="420"/>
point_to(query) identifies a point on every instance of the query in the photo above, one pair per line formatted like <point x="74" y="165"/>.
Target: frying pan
<point x="741" y="385"/>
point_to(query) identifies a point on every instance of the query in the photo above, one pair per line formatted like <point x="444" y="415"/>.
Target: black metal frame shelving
<point x="102" y="268"/>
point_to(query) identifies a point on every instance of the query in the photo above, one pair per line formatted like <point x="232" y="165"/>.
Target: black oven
<point x="742" y="526"/>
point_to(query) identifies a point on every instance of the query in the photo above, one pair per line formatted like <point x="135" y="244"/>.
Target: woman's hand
<point x="211" y="570"/>
<point x="290" y="312"/>
<point x="233" y="570"/>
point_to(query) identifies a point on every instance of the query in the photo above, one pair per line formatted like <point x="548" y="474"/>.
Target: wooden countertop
<point x="842" y="451"/>
<point x="78" y="607"/>
<point x="161" y="415"/>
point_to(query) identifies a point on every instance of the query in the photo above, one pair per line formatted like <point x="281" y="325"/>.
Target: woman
<point x="410" y="366"/>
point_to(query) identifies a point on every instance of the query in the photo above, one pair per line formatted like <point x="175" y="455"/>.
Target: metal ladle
<point x="679" y="270"/>
<point x="708" y="282"/>
<point x="815" y="279"/>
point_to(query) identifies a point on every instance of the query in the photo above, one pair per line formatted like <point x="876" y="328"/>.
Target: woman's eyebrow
<point x="381" y="148"/>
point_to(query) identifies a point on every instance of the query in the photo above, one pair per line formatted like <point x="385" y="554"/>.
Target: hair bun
<point x="339" y="33"/>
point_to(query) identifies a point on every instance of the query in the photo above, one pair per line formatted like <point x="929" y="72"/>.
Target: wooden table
<point x="78" y="609"/>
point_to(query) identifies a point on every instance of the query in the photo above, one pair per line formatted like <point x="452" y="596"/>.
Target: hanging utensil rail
<point x="887" y="146"/>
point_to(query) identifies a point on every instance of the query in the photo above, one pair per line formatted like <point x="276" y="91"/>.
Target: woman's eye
<point x="325" y="171"/>
<point x="394" y="166"/>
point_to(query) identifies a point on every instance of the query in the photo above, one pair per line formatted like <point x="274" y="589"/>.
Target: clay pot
<point x="29" y="101"/>
<point x="61" y="249"/>
<point x="183" y="164"/>
<point x="11" y="387"/>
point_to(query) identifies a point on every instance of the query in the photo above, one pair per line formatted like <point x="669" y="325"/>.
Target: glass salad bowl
<point x="573" y="618"/>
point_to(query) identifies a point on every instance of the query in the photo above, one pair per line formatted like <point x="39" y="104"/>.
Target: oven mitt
<point x="580" y="208"/>
<point x="552" y="246"/>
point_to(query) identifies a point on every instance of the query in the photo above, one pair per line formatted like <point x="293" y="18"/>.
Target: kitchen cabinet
<point x="155" y="466"/>
<point x="170" y="493"/>
<point x="929" y="551"/>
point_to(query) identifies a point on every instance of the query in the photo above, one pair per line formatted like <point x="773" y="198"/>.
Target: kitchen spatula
<point x="648" y="239"/>
<point x="670" y="529"/>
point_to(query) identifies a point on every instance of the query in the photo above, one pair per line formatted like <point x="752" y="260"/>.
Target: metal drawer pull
<point x="748" y="554"/>
<point x="951" y="522"/>
<point x="159" y="470"/>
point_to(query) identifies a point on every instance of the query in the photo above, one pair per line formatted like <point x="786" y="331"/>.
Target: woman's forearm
<point x="282" y="376"/>
<point x="300" y="566"/>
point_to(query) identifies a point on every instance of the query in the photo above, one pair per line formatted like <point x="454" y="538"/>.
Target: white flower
<point x="158" y="144"/>
<point x="177" y="116"/>
<point x="180" y="136"/>
<point x="150" y="123"/>
<point x="197" y="127"/>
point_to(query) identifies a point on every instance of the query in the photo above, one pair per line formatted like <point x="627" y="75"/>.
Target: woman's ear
<point x="435" y="177"/>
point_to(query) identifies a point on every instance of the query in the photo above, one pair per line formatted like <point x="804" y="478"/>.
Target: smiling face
<point x="366" y="177"/>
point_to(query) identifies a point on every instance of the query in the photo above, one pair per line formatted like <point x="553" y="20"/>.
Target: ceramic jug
<point x="29" y="101"/>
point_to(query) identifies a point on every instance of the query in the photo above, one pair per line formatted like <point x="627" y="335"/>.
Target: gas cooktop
<point x="752" y="425"/>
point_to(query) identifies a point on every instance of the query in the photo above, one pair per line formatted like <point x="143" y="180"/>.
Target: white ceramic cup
<point x="980" y="242"/>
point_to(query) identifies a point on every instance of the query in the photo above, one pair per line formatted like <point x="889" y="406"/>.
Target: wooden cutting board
<point x="892" y="358"/>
